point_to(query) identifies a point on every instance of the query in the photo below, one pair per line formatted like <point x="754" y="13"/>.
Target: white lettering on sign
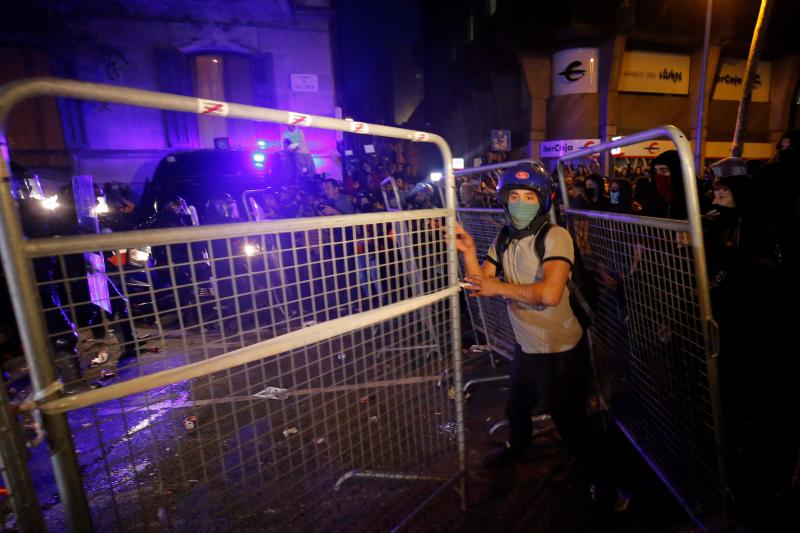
<point x="359" y="127"/>
<point x="420" y="136"/>
<point x="298" y="119"/>
<point x="211" y="107"/>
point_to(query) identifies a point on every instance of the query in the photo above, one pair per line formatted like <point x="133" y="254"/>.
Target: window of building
<point x="209" y="83"/>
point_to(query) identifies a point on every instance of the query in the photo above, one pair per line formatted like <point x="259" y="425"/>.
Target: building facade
<point x="574" y="73"/>
<point x="274" y="53"/>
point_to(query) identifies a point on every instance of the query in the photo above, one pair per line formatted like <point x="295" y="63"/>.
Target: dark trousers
<point x="560" y="380"/>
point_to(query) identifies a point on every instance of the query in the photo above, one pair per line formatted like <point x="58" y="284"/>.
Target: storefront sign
<point x="560" y="148"/>
<point x="575" y="71"/>
<point x="719" y="150"/>
<point x="501" y="140"/>
<point x="729" y="84"/>
<point x="646" y="72"/>
<point x="305" y="83"/>
<point x="644" y="149"/>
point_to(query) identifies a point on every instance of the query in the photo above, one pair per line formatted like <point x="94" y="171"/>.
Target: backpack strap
<point x="574" y="290"/>
<point x="501" y="243"/>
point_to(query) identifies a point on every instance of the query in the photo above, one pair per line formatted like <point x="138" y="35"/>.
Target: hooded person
<point x="667" y="199"/>
<point x="596" y="193"/>
<point x="750" y="287"/>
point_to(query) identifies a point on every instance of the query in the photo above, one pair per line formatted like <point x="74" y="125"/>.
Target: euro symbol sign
<point x="573" y="72"/>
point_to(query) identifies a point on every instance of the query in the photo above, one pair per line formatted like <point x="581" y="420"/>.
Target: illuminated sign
<point x="729" y="84"/>
<point x="646" y="72"/>
<point x="305" y="83"/>
<point x="501" y="140"/>
<point x="550" y="149"/>
<point x="644" y="149"/>
<point x="575" y="71"/>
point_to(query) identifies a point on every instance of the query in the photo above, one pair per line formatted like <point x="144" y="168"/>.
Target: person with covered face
<point x="551" y="359"/>
<point x="596" y="193"/>
<point x="621" y="196"/>
<point x="748" y="285"/>
<point x="667" y="198"/>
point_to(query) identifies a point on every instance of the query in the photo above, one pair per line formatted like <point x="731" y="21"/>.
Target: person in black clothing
<point x="595" y="193"/>
<point x="667" y="198"/>
<point x="621" y="196"/>
<point x="748" y="290"/>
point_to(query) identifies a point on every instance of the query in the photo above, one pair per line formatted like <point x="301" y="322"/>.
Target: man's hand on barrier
<point x="464" y="242"/>
<point x="483" y="286"/>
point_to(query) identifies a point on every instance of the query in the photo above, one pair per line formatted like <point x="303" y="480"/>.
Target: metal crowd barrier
<point x="654" y="342"/>
<point x="289" y="400"/>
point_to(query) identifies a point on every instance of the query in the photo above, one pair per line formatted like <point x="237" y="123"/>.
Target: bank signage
<point x="729" y="84"/>
<point x="501" y="140"/>
<point x="644" y="149"/>
<point x="575" y="71"/>
<point x="647" y="72"/>
<point x="305" y="83"/>
<point x="550" y="149"/>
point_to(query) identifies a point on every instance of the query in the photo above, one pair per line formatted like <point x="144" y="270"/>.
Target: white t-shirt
<point x="540" y="329"/>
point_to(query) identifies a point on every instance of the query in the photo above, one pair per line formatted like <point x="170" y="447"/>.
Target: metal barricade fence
<point x="489" y="315"/>
<point x="267" y="389"/>
<point x="654" y="341"/>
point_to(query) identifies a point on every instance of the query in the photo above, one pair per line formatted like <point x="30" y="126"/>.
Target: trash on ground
<point x="190" y="423"/>
<point x="450" y="429"/>
<point x="101" y="358"/>
<point x="272" y="393"/>
<point x="290" y="431"/>
<point x="340" y="356"/>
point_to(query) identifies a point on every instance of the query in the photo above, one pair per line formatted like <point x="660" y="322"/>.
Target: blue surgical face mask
<point x="614" y="197"/>
<point x="522" y="213"/>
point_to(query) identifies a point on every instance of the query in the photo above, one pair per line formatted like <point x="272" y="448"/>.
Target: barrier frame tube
<point x="24" y="295"/>
<point x="710" y="336"/>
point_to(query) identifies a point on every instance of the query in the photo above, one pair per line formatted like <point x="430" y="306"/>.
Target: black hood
<point x="671" y="159"/>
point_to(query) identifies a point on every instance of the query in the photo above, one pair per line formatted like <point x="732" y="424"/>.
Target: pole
<point x="749" y="77"/>
<point x="701" y="107"/>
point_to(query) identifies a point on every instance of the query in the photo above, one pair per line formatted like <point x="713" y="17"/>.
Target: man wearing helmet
<point x="551" y="356"/>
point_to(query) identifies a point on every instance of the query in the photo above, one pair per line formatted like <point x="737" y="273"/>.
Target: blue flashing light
<point x="262" y="144"/>
<point x="258" y="158"/>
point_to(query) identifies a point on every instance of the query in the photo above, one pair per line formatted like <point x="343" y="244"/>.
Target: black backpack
<point x="582" y="293"/>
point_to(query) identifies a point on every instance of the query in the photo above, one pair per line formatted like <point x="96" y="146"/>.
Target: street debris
<point x="272" y="393"/>
<point x="290" y="431"/>
<point x="450" y="429"/>
<point x="190" y="423"/>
